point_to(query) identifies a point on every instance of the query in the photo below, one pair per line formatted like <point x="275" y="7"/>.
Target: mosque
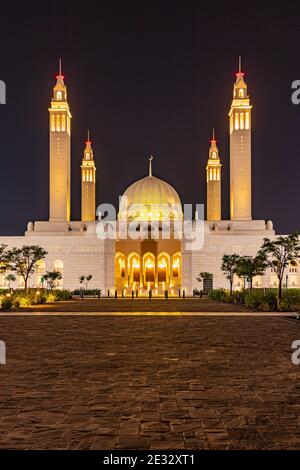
<point x="152" y="261"/>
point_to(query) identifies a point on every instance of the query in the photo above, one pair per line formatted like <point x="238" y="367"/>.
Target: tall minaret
<point x="60" y="152"/>
<point x="88" y="183"/>
<point x="240" y="150"/>
<point x="213" y="182"/>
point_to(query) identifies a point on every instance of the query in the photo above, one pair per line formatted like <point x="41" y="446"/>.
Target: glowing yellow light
<point x="176" y="263"/>
<point x="236" y="122"/>
<point x="149" y="263"/>
<point x="162" y="264"/>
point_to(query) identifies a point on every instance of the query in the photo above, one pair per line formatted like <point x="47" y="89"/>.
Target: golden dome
<point x="150" y="198"/>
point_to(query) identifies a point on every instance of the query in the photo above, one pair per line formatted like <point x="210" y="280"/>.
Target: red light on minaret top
<point x="59" y="71"/>
<point x="240" y="73"/>
<point x="213" y="141"/>
<point x="88" y="141"/>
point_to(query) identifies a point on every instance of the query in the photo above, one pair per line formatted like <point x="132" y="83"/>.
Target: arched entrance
<point x="149" y="270"/>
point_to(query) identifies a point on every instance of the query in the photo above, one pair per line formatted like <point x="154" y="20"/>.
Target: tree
<point x="10" y="278"/>
<point x="229" y="267"/>
<point x="24" y="260"/>
<point x="248" y="267"/>
<point x="205" y="277"/>
<point x="85" y="279"/>
<point x="51" y="277"/>
<point x="279" y="253"/>
<point x="3" y="258"/>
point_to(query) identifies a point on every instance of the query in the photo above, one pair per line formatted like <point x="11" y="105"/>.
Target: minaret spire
<point x="150" y="165"/>
<point x="60" y="151"/>
<point x="240" y="149"/>
<point x="213" y="181"/>
<point x="88" y="183"/>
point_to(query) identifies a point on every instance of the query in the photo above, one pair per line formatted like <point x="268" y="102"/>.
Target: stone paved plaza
<point x="149" y="382"/>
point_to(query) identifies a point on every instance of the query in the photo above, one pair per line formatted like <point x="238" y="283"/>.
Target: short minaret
<point x="240" y="150"/>
<point x="88" y="183"/>
<point x="213" y="181"/>
<point x="60" y="152"/>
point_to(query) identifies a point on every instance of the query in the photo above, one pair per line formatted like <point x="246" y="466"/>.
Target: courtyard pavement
<point x="149" y="382"/>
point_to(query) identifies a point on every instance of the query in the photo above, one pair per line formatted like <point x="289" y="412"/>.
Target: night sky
<point x="149" y="77"/>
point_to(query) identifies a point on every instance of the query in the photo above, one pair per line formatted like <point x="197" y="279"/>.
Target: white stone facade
<point x="80" y="252"/>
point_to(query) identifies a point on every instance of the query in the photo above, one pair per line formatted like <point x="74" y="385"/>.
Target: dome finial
<point x="150" y="164"/>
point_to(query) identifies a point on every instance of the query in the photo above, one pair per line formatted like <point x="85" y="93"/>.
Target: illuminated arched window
<point x="218" y="174"/>
<point x="163" y="267"/>
<point x="293" y="267"/>
<point x="134" y="267"/>
<point x="120" y="266"/>
<point x="58" y="95"/>
<point x="63" y="123"/>
<point x="149" y="268"/>
<point x="215" y="174"/>
<point x="58" y="266"/>
<point x="242" y="121"/>
<point x="58" y="123"/>
<point x="236" y="122"/>
<point x="176" y="266"/>
<point x="241" y="93"/>
<point x="52" y="122"/>
<point x="40" y="271"/>
<point x="247" y="121"/>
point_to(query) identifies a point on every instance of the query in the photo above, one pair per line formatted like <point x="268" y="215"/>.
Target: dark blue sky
<point x="149" y="77"/>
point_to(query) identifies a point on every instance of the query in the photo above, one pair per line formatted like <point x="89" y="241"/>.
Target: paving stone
<point x="149" y="382"/>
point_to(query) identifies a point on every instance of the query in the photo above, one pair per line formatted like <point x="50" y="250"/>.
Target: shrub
<point x="23" y="301"/>
<point x="6" y="303"/>
<point x="16" y="302"/>
<point x="290" y="300"/>
<point x="86" y="292"/>
<point x="219" y="294"/>
<point x="63" y="294"/>
<point x="257" y="299"/>
<point x="51" y="297"/>
<point x="27" y="298"/>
